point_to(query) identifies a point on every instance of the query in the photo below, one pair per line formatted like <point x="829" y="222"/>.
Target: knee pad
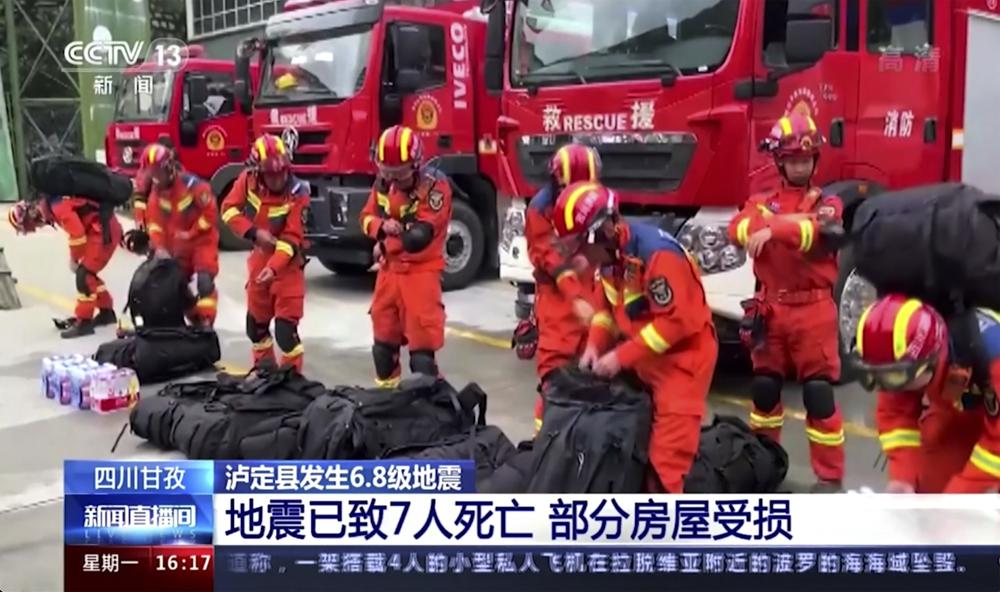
<point x="257" y="332"/>
<point x="422" y="362"/>
<point x="817" y="397"/>
<point x="766" y="391"/>
<point x="386" y="357"/>
<point x="81" y="280"/>
<point x="204" y="283"/>
<point x="286" y="334"/>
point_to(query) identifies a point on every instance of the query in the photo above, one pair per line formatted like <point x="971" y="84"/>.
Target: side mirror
<point x="241" y="91"/>
<point x="412" y="46"/>
<point x="807" y="40"/>
<point x="408" y="81"/>
<point x="495" y="40"/>
<point x="197" y="88"/>
<point x="189" y="133"/>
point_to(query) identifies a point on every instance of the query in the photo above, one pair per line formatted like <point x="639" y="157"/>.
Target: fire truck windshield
<point x="144" y="96"/>
<point x="327" y="66"/>
<point x="578" y="41"/>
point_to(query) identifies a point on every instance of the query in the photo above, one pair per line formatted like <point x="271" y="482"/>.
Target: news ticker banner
<point x="307" y="525"/>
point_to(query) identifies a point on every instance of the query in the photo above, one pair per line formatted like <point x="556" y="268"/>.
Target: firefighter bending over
<point x="652" y="318"/>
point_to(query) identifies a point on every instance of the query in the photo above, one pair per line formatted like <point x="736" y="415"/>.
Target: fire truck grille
<point x="653" y="162"/>
<point x="310" y="141"/>
<point x="129" y="152"/>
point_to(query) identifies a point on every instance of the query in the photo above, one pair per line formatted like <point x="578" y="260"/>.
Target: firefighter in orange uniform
<point x="407" y="216"/>
<point x="141" y="185"/>
<point x="268" y="206"/>
<point x="794" y="312"/>
<point x="937" y="412"/>
<point x="562" y="296"/>
<point x="91" y="245"/>
<point x="652" y="318"/>
<point x="181" y="218"/>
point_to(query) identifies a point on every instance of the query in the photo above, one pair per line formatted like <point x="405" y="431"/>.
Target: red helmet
<point x="25" y="217"/>
<point x="399" y="150"/>
<point x="899" y="340"/>
<point x="574" y="163"/>
<point x="793" y="135"/>
<point x="270" y="158"/>
<point x="157" y="162"/>
<point x="581" y="208"/>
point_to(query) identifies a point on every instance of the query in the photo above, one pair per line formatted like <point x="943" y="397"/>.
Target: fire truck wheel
<point x="464" y="247"/>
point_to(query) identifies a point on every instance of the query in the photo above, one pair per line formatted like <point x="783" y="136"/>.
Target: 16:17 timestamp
<point x="199" y="562"/>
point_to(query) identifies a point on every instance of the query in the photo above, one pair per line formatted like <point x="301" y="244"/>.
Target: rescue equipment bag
<point x="352" y="423"/>
<point x="153" y="418"/>
<point x="732" y="459"/>
<point x="158" y="295"/>
<point x="939" y="243"/>
<point x="594" y="436"/>
<point x="67" y="175"/>
<point x="489" y="447"/>
<point x="159" y="354"/>
<point x="513" y="475"/>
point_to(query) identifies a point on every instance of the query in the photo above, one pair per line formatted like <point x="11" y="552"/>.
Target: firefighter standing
<point x="562" y="297"/>
<point x="181" y="218"/>
<point x="91" y="246"/>
<point x="268" y="206"/>
<point x="407" y="214"/>
<point x="652" y="318"/>
<point x="952" y="446"/>
<point x="785" y="233"/>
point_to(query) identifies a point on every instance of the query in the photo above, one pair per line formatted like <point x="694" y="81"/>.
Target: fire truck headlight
<point x="513" y="226"/>
<point x="709" y="244"/>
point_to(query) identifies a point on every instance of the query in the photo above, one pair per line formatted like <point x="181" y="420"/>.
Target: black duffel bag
<point x="352" y="423"/>
<point x="161" y="353"/>
<point x="513" y="475"/>
<point x="153" y="418"/>
<point x="733" y="459"/>
<point x="594" y="437"/>
<point x="488" y="447"/>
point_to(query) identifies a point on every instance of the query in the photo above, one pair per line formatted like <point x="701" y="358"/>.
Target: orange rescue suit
<point x="407" y="308"/>
<point x="80" y="218"/>
<point x="652" y="303"/>
<point x="182" y="219"/>
<point x="561" y="335"/>
<point x="952" y="445"/>
<point x="250" y="207"/>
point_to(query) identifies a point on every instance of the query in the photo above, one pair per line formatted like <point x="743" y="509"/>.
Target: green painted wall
<point x="8" y="175"/>
<point x="125" y="20"/>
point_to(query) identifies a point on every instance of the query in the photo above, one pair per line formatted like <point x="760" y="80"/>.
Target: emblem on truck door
<point x="290" y="136"/>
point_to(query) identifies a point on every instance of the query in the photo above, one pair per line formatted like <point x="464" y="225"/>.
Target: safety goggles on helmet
<point x="396" y="173"/>
<point x="893" y="377"/>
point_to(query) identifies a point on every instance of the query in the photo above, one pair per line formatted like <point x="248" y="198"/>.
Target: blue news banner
<point x="410" y="526"/>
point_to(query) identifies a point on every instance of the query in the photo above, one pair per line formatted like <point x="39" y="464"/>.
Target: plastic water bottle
<point x="66" y="384"/>
<point x="48" y="365"/>
<point x="53" y="381"/>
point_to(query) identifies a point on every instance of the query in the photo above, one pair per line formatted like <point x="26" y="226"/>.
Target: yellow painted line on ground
<point x="478" y="337"/>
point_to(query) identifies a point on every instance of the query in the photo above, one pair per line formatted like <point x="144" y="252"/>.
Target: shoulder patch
<point x="659" y="291"/>
<point x="435" y="199"/>
<point x="305" y="216"/>
<point x="205" y="198"/>
<point x="989" y="329"/>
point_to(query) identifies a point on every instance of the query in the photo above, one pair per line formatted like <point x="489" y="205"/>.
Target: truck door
<point x="222" y="137"/>
<point x="900" y="128"/>
<point x="437" y="99"/>
<point x="826" y="91"/>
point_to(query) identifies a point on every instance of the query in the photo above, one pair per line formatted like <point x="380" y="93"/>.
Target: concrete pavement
<point x="36" y="435"/>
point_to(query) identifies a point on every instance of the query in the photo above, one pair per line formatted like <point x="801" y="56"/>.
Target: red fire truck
<point x="336" y="73"/>
<point x="679" y="93"/>
<point x="192" y="104"/>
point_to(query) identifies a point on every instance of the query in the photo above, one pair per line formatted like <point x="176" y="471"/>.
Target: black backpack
<point x="732" y="459"/>
<point x="489" y="447"/>
<point x="594" y="436"/>
<point x="158" y="295"/>
<point x="352" y="423"/>
<point x="62" y="174"/>
<point x="153" y="418"/>
<point x="159" y="354"/>
<point x="939" y="243"/>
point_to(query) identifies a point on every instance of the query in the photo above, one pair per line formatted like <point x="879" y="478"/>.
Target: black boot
<point x="105" y="317"/>
<point x="80" y="329"/>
